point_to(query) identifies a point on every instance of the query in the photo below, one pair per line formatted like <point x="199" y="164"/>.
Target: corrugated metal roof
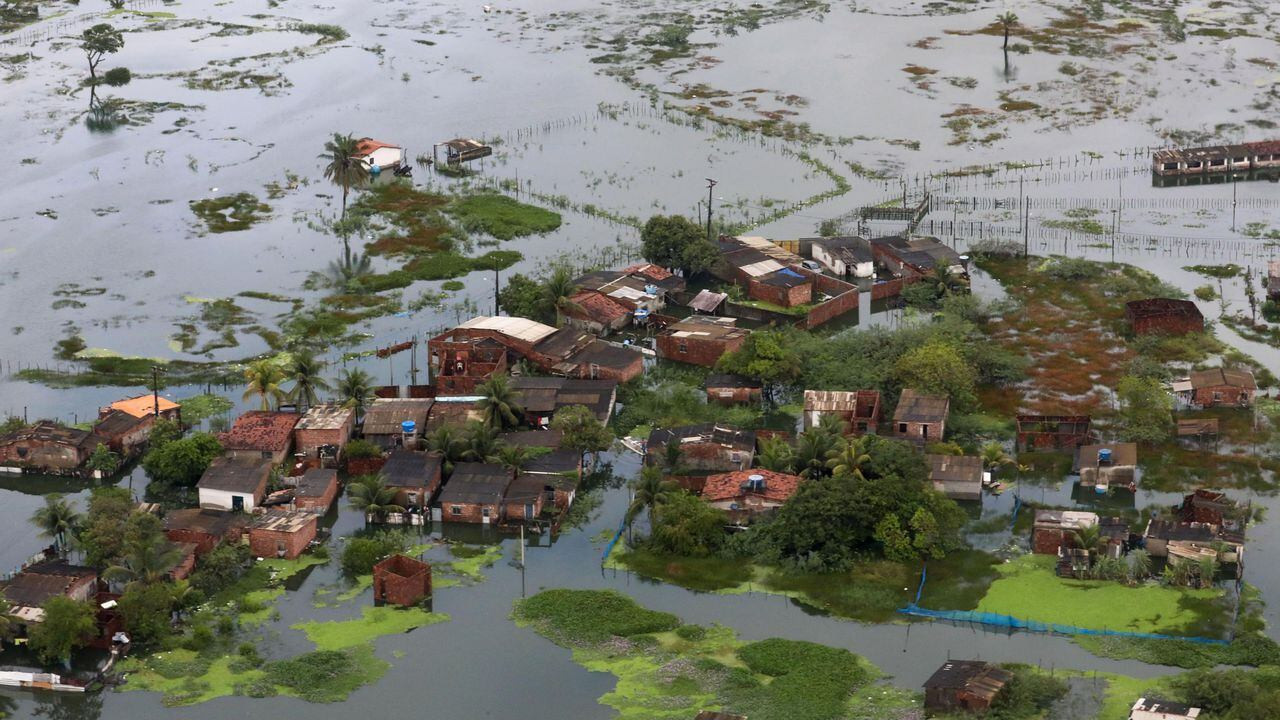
<point x="517" y="327"/>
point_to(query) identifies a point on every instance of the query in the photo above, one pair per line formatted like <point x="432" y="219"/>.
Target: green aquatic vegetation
<point x="470" y="560"/>
<point x="1222" y="272"/>
<point x="230" y="213"/>
<point x="197" y="408"/>
<point x="374" y="622"/>
<point x="502" y="217"/>
<point x="327" y="33"/>
<point x="326" y="676"/>
<point x="584" y="617"/>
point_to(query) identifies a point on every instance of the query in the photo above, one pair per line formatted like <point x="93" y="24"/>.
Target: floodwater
<point x="228" y="97"/>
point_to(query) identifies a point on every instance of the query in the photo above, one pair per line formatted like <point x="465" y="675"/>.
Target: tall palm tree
<point x="370" y="494"/>
<point x="342" y="168"/>
<point x="499" y="406"/>
<point x="147" y="561"/>
<point x="651" y="491"/>
<point x="304" y="370"/>
<point x="1007" y="21"/>
<point x="513" y="457"/>
<point x="812" y="450"/>
<point x="557" y="287"/>
<point x="849" y="457"/>
<point x="994" y="456"/>
<point x="263" y="378"/>
<point x="1140" y="564"/>
<point x="1088" y="538"/>
<point x="776" y="454"/>
<point x="355" y="387"/>
<point x="672" y="455"/>
<point x="57" y="519"/>
<point x="445" y="440"/>
<point x="482" y="443"/>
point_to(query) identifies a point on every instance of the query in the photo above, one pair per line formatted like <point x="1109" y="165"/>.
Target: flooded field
<point x="183" y="217"/>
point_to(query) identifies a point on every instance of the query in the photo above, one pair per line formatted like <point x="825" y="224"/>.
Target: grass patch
<point x="1252" y="649"/>
<point x="230" y="213"/>
<point x="326" y="676"/>
<point x="1223" y="272"/>
<point x="470" y="560"/>
<point x="374" y="622"/>
<point x="579" y="617"/>
<point x="502" y="217"/>
<point x="327" y="33"/>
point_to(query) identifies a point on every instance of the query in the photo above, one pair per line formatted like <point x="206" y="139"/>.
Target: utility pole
<point x="1233" y="203"/>
<point x="155" y="390"/>
<point x="710" y="186"/>
<point x="413" y="361"/>
<point x="495" y="290"/>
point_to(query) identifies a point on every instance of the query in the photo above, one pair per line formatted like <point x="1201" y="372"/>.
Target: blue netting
<point x="1017" y="505"/>
<point x="609" y="548"/>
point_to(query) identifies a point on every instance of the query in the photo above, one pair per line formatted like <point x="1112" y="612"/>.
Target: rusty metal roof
<point x="914" y="406"/>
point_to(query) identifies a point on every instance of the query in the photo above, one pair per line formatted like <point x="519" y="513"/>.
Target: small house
<point x="1157" y="709"/>
<point x="460" y="150"/>
<point x="1179" y="541"/>
<point x="706" y="448"/>
<point x="964" y="686"/>
<point x="260" y="434"/>
<point x="551" y="439"/>
<point x="733" y="389"/>
<point x="233" y="483"/>
<point x="474" y="493"/>
<point x="1055" y="529"/>
<point x="524" y="498"/>
<point x="956" y="476"/>
<point x="1209" y="506"/>
<point x="920" y="417"/>
<point x="784" y="287"/>
<point x="401" y="580"/>
<point x="204" y="528"/>
<point x="125" y="434"/>
<point x="282" y="533"/>
<point x="414" y="475"/>
<point x="1105" y="466"/>
<point x="1164" y="316"/>
<point x="743" y="494"/>
<point x="30" y="588"/>
<point x="395" y="422"/>
<point x="315" y="490"/>
<point x="1053" y="432"/>
<point x="858" y="410"/>
<point x="593" y="312"/>
<point x="459" y="362"/>
<point x="147" y="405"/>
<point x="845" y="256"/>
<point x="1273" y="279"/>
<point x="700" y="339"/>
<point x="324" y="431"/>
<point x="564" y="463"/>
<point x="377" y="156"/>
<point x="1221" y="387"/>
<point x="917" y="256"/>
<point x="186" y="562"/>
<point x="541" y="397"/>
<point x="47" y="447"/>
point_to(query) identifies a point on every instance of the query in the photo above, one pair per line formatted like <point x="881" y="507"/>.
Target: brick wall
<point x="365" y="466"/>
<point x="916" y="431"/>
<point x="516" y="510"/>
<point x="696" y="351"/>
<point x="1169" y="324"/>
<point x="267" y="543"/>
<point x="1046" y="541"/>
<point x="733" y="396"/>
<point x="401" y="580"/>
<point x="778" y="295"/>
<point x="309" y="440"/>
<point x="468" y="512"/>
<point x="1226" y="395"/>
<point x="320" y="504"/>
<point x="204" y="542"/>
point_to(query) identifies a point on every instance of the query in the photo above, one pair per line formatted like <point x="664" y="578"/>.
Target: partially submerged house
<point x="1193" y="541"/>
<point x="377" y="155"/>
<point x="541" y="397"/>
<point x="282" y="533"/>
<point x="205" y="528"/>
<point x="593" y="312"/>
<point x="459" y="361"/>
<point x="125" y="434"/>
<point x="705" y="448"/>
<point x="957" y="476"/>
<point x="1157" y="709"/>
<point x="1055" y="529"/>
<point x="401" y="580"/>
<point x="260" y="434"/>
<point x="1217" y="387"/>
<point x="415" y="476"/>
<point x="844" y="256"/>
<point x="728" y="389"/>
<point x="47" y="447"/>
<point x="1241" y="157"/>
<point x="474" y="493"/>
<point x="1163" y="315"/>
<point x="918" y="256"/>
<point x="234" y="483"/>
<point x="921" y="417"/>
<point x="1053" y="432"/>
<point x="323" y="431"/>
<point x="1212" y="507"/>
<point x="31" y="587"/>
<point x="566" y="352"/>
<point x="700" y="339"/>
<point x="524" y="498"/>
<point x="858" y="410"/>
<point x="1103" y="467"/>
<point x="460" y="150"/>
<point x="143" y="405"/>
<point x="385" y="422"/>
<point x="743" y="494"/>
<point x="965" y="686"/>
<point x="315" y="490"/>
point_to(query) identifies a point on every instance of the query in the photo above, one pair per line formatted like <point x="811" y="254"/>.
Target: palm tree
<point x="1007" y="21"/>
<point x="811" y="452"/>
<point x="147" y="561"/>
<point x="348" y="271"/>
<point x="370" y="494"/>
<point x="1088" y="538"/>
<point x="482" y="443"/>
<point x="651" y="491"/>
<point x="849" y="457"/>
<point x="56" y="519"/>
<point x="355" y="387"/>
<point x="776" y="454"/>
<point x="263" y="378"/>
<point x="513" y="457"/>
<point x="1140" y="567"/>
<point x="1207" y="571"/>
<point x="445" y="441"/>
<point x="994" y="456"/>
<point x="672" y="455"/>
<point x="342" y="168"/>
<point x="832" y="424"/>
<point x="499" y="407"/>
<point x="557" y="287"/>
<point x="185" y="596"/>
<point x="304" y="370"/>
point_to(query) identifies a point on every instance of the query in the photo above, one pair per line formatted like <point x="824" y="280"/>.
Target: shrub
<point x="362" y="553"/>
<point x="201" y="638"/>
<point x="117" y="76"/>
<point x="361" y="449"/>
<point x="692" y="633"/>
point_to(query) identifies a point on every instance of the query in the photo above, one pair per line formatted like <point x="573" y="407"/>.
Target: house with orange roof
<point x="260" y="434"/>
<point x="144" y="405"/>
<point x="745" y="493"/>
<point x="378" y="154"/>
<point x="592" y="312"/>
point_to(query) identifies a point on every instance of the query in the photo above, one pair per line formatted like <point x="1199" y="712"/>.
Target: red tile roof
<point x="259" y="430"/>
<point x="778" y="487"/>
<point x="598" y="307"/>
<point x="649" y="270"/>
<point x="366" y="146"/>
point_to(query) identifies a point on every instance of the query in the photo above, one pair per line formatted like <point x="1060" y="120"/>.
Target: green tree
<point x="370" y="495"/>
<point x="925" y="537"/>
<point x="57" y="520"/>
<point x="556" y="289"/>
<point x="1145" y="410"/>
<point x="304" y="371"/>
<point x="649" y="492"/>
<point x="499" y="403"/>
<point x="1007" y="20"/>
<point x="68" y="624"/>
<point x="355" y="388"/>
<point x="362" y="553"/>
<point x="482" y="443"/>
<point x="526" y="298"/>
<point x="687" y="526"/>
<point x="581" y="430"/>
<point x="767" y="355"/>
<point x="7" y="621"/>
<point x="102" y="535"/>
<point x="665" y="240"/>
<point x="1139" y="565"/>
<point x="849" y="457"/>
<point x="163" y="431"/>
<point x="147" y="610"/>
<point x="263" y="378"/>
<point x="994" y="456"/>
<point x="182" y="462"/>
<point x="894" y="540"/>
<point x="699" y="257"/>
<point x="813" y="448"/>
<point x="148" y="555"/>
<point x="102" y="461"/>
<point x="938" y="368"/>
<point x="513" y="457"/>
<point x="342" y="168"/>
<point x="1088" y="538"/>
<point x="220" y="568"/>
<point x="97" y="42"/>
<point x="776" y="454"/>
<point x="11" y="423"/>
<point x="445" y="441"/>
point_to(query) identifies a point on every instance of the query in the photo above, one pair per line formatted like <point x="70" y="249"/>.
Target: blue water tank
<point x="408" y="426"/>
<point x="1104" y="455"/>
<point x="374" y="170"/>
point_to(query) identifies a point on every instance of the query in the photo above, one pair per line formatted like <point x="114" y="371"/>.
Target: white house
<point x="1156" y="709"/>
<point x="845" y="256"/>
<point x="234" y="484"/>
<point x="375" y="153"/>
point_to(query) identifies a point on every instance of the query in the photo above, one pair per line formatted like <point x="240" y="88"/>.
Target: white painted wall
<point x="221" y="499"/>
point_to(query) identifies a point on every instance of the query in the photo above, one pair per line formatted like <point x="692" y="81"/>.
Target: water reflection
<point x="65" y="707"/>
<point x="104" y="115"/>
